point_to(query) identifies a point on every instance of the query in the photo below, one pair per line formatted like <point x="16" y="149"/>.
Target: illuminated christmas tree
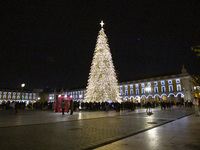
<point x="102" y="83"/>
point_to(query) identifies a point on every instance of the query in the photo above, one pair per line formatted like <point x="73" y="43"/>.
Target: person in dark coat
<point x="63" y="107"/>
<point x="148" y="107"/>
<point x="16" y="106"/>
<point x="71" y="107"/>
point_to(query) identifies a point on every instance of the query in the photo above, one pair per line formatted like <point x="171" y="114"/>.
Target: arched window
<point x="170" y="88"/>
<point x="137" y="91"/>
<point x="156" y="90"/>
<point x="178" y="87"/>
<point x="131" y="91"/>
<point x="126" y="92"/>
<point x="143" y="91"/>
<point x="163" y="89"/>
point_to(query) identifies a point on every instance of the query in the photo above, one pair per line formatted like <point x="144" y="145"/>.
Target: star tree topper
<point x="102" y="23"/>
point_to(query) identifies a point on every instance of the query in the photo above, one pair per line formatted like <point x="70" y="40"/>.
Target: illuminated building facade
<point x="175" y="88"/>
<point x="14" y="95"/>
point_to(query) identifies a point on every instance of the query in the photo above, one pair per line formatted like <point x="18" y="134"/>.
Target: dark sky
<point x="51" y="44"/>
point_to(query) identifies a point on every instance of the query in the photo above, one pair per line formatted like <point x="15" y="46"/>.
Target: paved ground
<point x="37" y="130"/>
<point x="181" y="134"/>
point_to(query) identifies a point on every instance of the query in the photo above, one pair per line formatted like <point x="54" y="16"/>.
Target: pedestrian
<point x="16" y="106"/>
<point x="71" y="107"/>
<point x="12" y="106"/>
<point x="196" y="108"/>
<point x="63" y="107"/>
<point x="148" y="110"/>
<point x="3" y="105"/>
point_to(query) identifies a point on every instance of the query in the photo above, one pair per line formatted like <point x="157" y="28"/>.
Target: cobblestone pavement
<point x="84" y="130"/>
<point x="181" y="134"/>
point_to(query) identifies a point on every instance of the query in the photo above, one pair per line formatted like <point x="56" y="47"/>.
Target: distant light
<point x="23" y="85"/>
<point x="148" y="89"/>
<point x="102" y="23"/>
<point x="138" y="39"/>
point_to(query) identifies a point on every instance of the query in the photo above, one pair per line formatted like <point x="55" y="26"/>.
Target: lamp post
<point x="148" y="89"/>
<point x="22" y="85"/>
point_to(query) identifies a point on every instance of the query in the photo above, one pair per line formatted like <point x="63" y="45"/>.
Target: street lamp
<point x="22" y="85"/>
<point x="148" y="89"/>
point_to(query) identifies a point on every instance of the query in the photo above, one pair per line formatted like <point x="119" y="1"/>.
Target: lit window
<point x="34" y="96"/>
<point x="143" y="91"/>
<point x="121" y="87"/>
<point x="156" y="90"/>
<point x="126" y="87"/>
<point x="136" y="85"/>
<point x="177" y="80"/>
<point x="9" y="95"/>
<point x="178" y="87"/>
<point x="162" y="82"/>
<point x="142" y="85"/>
<point x="137" y="91"/>
<point x="131" y="91"/>
<point x="149" y="90"/>
<point x="13" y="95"/>
<point x="163" y="89"/>
<point x="170" y="88"/>
<point x="121" y="93"/>
<point x="149" y="84"/>
<point x="131" y="86"/>
<point x="126" y="92"/>
<point x="155" y="83"/>
<point x="170" y="81"/>
<point x="18" y="95"/>
<point x="195" y="88"/>
<point x="4" y="94"/>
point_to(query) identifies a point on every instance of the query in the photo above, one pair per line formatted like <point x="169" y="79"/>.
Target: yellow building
<point x="14" y="95"/>
<point x="177" y="87"/>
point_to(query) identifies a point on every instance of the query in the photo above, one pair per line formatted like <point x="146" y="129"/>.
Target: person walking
<point x="71" y="107"/>
<point x="16" y="106"/>
<point x="149" y="110"/>
<point x="12" y="106"/>
<point x="63" y="107"/>
<point x="196" y="108"/>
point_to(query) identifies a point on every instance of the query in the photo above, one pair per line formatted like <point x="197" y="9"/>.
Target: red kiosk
<point x="59" y="98"/>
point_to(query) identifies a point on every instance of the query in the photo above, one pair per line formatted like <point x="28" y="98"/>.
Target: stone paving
<point x="37" y="130"/>
<point x="181" y="134"/>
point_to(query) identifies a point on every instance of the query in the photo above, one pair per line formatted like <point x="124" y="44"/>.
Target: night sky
<point x="51" y="44"/>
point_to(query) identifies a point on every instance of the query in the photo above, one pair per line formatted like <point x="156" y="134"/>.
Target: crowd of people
<point x="104" y="106"/>
<point x="9" y="104"/>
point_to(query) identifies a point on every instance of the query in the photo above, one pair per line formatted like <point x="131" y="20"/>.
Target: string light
<point x="102" y="82"/>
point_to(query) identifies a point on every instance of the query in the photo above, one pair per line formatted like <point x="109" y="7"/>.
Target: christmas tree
<point x="102" y="82"/>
